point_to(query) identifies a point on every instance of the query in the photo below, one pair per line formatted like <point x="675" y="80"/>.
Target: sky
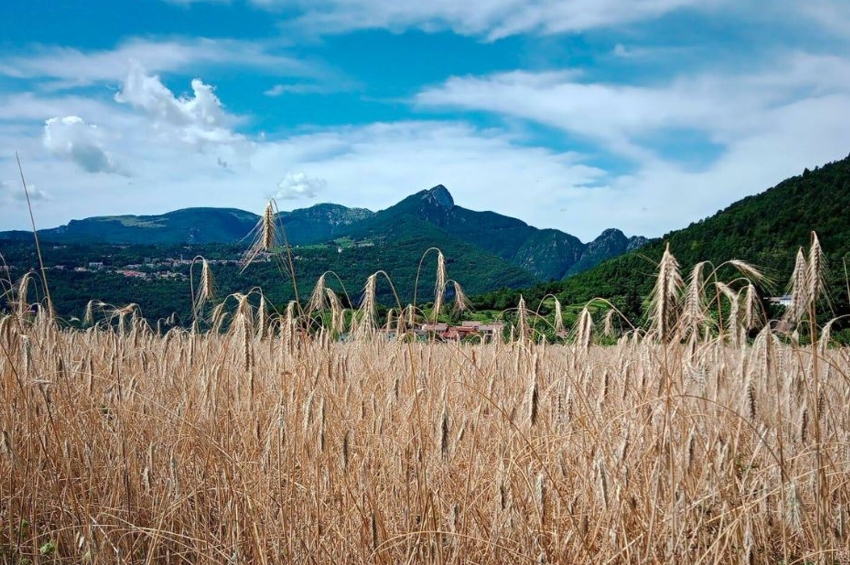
<point x="580" y="115"/>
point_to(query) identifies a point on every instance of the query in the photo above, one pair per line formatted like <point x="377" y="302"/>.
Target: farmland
<point x="693" y="440"/>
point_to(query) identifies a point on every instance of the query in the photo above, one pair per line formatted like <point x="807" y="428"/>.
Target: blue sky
<point x="575" y="114"/>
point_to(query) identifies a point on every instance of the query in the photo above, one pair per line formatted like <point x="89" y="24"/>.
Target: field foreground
<point x="136" y="448"/>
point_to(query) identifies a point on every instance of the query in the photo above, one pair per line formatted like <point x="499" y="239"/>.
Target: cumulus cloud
<point x="299" y="185"/>
<point x="72" y="138"/>
<point x="197" y="118"/>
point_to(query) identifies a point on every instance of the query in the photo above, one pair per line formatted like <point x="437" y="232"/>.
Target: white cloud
<point x="832" y="15"/>
<point x="281" y="89"/>
<point x="62" y="67"/>
<point x="621" y="50"/>
<point x="630" y="52"/>
<point x="767" y="125"/>
<point x="492" y="19"/>
<point x="298" y="185"/>
<point x="496" y="19"/>
<point x="8" y="192"/>
<point x="377" y="165"/>
<point x="198" y="118"/>
<point x="72" y="138"/>
<point x="371" y="166"/>
<point x="612" y="114"/>
<point x="723" y="108"/>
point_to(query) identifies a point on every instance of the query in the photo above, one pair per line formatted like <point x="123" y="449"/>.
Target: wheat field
<point x="261" y="443"/>
<point x="227" y="449"/>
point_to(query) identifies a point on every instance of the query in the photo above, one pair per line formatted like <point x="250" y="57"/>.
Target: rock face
<point x="321" y="222"/>
<point x="636" y="242"/>
<point x="549" y="253"/>
<point x="439" y="196"/>
<point x="610" y="243"/>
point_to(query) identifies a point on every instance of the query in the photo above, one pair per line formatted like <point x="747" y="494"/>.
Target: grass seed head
<point x="665" y="296"/>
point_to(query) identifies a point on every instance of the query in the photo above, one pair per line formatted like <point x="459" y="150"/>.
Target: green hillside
<point x="510" y="250"/>
<point x="765" y="229"/>
<point x="190" y="225"/>
<point x="548" y="254"/>
<point x="165" y="289"/>
<point x="485" y="252"/>
<point x="200" y="226"/>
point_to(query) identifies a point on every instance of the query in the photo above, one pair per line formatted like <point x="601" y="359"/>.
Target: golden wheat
<point x="263" y="443"/>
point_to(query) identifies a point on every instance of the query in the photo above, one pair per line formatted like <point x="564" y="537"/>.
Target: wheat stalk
<point x="266" y="236"/>
<point x="559" y="317"/>
<point x="800" y="288"/>
<point x="665" y="296"/>
<point x="522" y="321"/>
<point x="753" y="315"/>
<point x="461" y="303"/>
<point x="693" y="311"/>
<point x="23" y="287"/>
<point x="440" y="284"/>
<point x="367" y="314"/>
<point x="318" y="298"/>
<point x="584" y="329"/>
<point x="337" y="311"/>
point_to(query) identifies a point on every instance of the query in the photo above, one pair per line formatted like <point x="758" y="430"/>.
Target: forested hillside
<point x="766" y="230"/>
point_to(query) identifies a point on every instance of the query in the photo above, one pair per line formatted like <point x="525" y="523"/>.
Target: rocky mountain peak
<point x="440" y="196"/>
<point x="611" y="234"/>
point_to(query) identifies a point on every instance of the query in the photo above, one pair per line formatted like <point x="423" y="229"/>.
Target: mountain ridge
<point x="545" y="253"/>
<point x="548" y="253"/>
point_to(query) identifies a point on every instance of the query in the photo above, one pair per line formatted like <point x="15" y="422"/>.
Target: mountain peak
<point x="610" y="233"/>
<point x="440" y="196"/>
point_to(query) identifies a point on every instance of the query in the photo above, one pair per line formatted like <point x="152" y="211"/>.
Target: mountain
<point x="547" y="253"/>
<point x="319" y="223"/>
<point x="191" y="225"/>
<point x="200" y="226"/>
<point x="765" y="230"/>
<point x="610" y="243"/>
<point x="399" y="247"/>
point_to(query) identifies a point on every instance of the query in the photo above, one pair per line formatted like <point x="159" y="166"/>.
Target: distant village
<point x="485" y="331"/>
<point x="151" y="268"/>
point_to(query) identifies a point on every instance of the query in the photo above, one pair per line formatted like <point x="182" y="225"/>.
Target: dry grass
<point x="226" y="448"/>
<point x="261" y="444"/>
